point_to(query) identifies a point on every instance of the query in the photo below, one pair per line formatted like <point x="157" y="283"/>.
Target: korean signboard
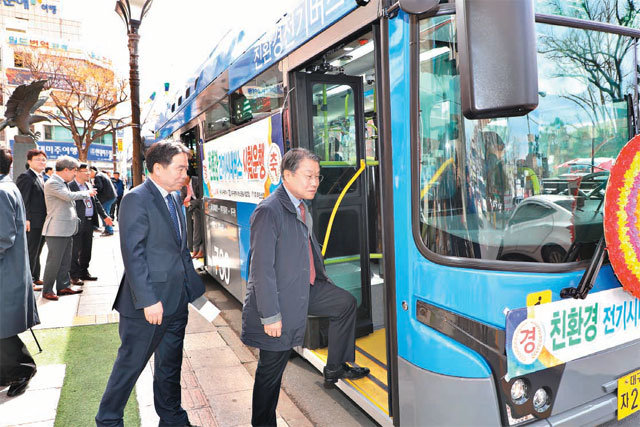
<point x="542" y="336"/>
<point x="244" y="166"/>
<point x="45" y="6"/>
<point x="97" y="152"/>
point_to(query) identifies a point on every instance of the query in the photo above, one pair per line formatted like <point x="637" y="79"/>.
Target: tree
<point x="84" y="95"/>
<point x="600" y="60"/>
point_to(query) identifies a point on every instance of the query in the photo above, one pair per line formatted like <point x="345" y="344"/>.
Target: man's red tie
<point x="312" y="267"/>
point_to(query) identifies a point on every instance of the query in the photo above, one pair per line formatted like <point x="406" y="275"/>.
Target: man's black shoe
<point x="88" y="277"/>
<point x="20" y="386"/>
<point x="331" y="376"/>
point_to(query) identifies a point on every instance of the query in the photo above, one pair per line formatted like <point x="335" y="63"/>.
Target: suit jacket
<point x="157" y="265"/>
<point x="80" y="206"/>
<point x="18" y="310"/>
<point x="278" y="286"/>
<point x="106" y="190"/>
<point x="32" y="190"/>
<point x="62" y="219"/>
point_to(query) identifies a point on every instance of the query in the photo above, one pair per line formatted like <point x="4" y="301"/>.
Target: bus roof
<point x="244" y="56"/>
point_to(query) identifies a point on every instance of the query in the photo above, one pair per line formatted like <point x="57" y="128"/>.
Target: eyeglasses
<point x="310" y="178"/>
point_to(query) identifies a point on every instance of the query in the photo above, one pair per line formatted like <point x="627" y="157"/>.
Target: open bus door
<point x="329" y="120"/>
<point x="191" y="139"/>
<point x="330" y="123"/>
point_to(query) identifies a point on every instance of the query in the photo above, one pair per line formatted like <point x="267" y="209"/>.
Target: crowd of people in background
<point x="62" y="208"/>
<point x="61" y="205"/>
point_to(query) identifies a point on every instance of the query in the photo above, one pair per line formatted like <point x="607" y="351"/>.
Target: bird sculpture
<point x="24" y="101"/>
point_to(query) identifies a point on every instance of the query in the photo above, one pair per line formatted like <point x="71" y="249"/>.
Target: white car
<point x="541" y="229"/>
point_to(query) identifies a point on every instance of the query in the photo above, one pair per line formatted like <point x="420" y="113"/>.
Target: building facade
<point x="39" y="26"/>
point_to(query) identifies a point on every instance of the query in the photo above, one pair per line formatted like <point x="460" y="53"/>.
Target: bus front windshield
<point x="527" y="188"/>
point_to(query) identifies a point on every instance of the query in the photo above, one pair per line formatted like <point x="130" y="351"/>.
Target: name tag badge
<point x="88" y="203"/>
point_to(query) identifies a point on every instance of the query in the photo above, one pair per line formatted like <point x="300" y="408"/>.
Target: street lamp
<point x="114" y="125"/>
<point x="132" y="12"/>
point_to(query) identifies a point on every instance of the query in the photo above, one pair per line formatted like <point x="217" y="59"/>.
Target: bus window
<point x="334" y="134"/>
<point x="333" y="123"/>
<point x="474" y="174"/>
<point x="258" y="98"/>
<point x="216" y="119"/>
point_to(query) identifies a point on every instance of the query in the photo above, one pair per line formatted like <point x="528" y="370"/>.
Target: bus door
<point x="329" y="121"/>
<point x="191" y="139"/>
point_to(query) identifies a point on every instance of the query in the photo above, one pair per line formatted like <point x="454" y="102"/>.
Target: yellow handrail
<point x="436" y="176"/>
<point x="335" y="208"/>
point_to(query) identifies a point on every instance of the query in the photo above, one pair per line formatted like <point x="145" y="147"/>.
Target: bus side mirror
<point x="418" y="7"/>
<point x="497" y="58"/>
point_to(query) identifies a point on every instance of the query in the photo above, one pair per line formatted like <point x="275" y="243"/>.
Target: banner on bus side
<point x="244" y="165"/>
<point x="542" y="336"/>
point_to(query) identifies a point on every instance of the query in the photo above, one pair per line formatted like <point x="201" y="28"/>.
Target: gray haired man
<point x="60" y="226"/>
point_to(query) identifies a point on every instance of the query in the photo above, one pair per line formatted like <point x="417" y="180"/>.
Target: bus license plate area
<point x="628" y="394"/>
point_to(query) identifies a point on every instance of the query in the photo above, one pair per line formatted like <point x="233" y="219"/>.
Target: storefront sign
<point x="97" y="152"/>
<point x="244" y="165"/>
<point x="542" y="336"/>
<point x="47" y="6"/>
<point x="60" y="48"/>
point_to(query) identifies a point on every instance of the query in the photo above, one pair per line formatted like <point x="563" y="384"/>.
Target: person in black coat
<point x="18" y="311"/>
<point x="287" y="282"/>
<point x="31" y="186"/>
<point x="88" y="211"/>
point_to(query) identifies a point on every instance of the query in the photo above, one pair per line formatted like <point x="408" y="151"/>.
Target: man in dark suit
<point x="287" y="281"/>
<point x="31" y="185"/>
<point x="88" y="211"/>
<point x="106" y="195"/>
<point x="159" y="280"/>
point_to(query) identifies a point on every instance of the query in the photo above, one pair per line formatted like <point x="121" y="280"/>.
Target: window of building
<point x="48" y="132"/>
<point x="187" y="93"/>
<point x="258" y="97"/>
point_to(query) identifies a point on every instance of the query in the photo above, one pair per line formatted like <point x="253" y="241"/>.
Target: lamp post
<point x="132" y="12"/>
<point x="114" y="125"/>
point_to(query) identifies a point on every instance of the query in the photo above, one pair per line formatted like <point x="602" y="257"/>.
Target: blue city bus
<point x="462" y="203"/>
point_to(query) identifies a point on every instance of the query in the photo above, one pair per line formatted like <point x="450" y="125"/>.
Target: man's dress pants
<point x="140" y="340"/>
<point x="35" y="243"/>
<point x="325" y="300"/>
<point x="15" y="360"/>
<point x="82" y="246"/>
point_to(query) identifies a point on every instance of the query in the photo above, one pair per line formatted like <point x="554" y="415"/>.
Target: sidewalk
<point x="217" y="370"/>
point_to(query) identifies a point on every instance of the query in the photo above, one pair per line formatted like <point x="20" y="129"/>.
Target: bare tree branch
<point x="84" y="96"/>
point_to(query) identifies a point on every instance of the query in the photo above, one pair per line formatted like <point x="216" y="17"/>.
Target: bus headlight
<point x="541" y="400"/>
<point x="519" y="391"/>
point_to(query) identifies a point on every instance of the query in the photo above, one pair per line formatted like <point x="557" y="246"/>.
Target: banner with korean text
<point x="54" y="149"/>
<point x="244" y="165"/>
<point x="542" y="336"/>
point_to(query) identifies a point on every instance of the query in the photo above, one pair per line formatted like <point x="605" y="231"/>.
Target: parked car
<point x="545" y="228"/>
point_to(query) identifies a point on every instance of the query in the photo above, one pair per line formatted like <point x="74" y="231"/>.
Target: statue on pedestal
<point x="23" y="102"/>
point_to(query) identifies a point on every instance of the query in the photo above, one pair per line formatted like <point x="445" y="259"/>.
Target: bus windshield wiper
<point x="589" y="277"/>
